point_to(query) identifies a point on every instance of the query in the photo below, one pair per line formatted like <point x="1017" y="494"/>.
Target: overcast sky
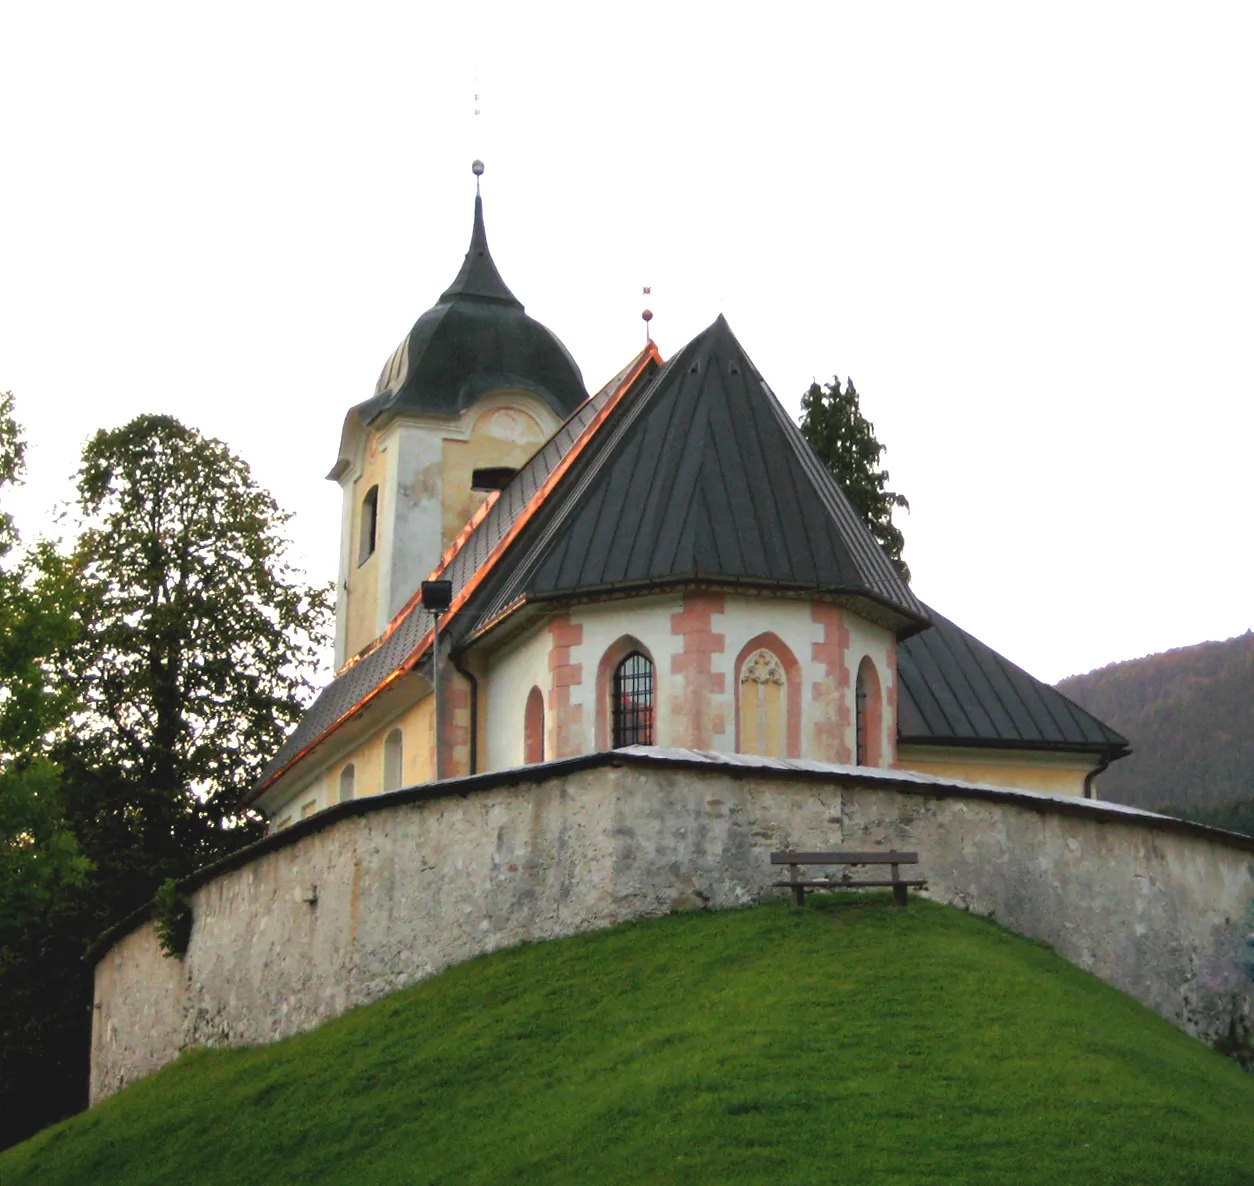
<point x="1025" y="230"/>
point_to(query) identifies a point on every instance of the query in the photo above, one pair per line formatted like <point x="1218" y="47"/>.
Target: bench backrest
<point x="844" y="858"/>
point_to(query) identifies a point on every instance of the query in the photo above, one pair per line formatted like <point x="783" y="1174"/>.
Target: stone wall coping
<point x="706" y="761"/>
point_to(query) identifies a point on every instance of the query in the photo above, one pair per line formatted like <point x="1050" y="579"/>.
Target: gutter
<point x="474" y="712"/>
<point x="1101" y="768"/>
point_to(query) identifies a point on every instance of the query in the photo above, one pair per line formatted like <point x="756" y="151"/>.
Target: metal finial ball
<point x="647" y="315"/>
<point x="477" y="168"/>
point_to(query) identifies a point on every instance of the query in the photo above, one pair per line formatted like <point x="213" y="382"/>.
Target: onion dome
<point x="477" y="339"/>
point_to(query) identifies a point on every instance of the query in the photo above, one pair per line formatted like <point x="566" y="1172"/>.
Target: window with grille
<point x="868" y="716"/>
<point x="860" y="721"/>
<point x="633" y="701"/>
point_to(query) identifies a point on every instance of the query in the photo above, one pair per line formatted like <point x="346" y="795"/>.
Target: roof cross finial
<point x="647" y="315"/>
<point x="477" y="169"/>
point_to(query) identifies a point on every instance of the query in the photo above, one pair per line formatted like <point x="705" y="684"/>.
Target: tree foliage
<point x="164" y="656"/>
<point x="198" y="637"/>
<point x="845" y="443"/>
<point x="38" y="853"/>
<point x="42" y="866"/>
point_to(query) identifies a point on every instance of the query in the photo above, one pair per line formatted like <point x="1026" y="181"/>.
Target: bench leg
<point x="900" y="893"/>
<point x="798" y="895"/>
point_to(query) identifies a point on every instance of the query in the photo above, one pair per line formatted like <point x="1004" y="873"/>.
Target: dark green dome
<point x="477" y="339"/>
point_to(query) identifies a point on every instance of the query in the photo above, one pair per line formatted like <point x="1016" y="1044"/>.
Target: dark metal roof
<point x="955" y="690"/>
<point x="701" y="476"/>
<point x="355" y="683"/>
<point x="476" y="339"/>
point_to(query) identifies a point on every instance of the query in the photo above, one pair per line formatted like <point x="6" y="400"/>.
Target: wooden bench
<point x="794" y="860"/>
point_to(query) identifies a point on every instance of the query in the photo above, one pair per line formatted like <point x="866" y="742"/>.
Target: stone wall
<point x="376" y="894"/>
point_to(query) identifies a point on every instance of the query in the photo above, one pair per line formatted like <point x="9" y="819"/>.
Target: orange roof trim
<point x="627" y="378"/>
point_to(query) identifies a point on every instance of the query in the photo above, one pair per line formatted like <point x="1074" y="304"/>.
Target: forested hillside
<point x="1189" y="714"/>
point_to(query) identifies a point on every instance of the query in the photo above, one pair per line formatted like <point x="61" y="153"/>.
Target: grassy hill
<point x="849" y="1041"/>
<point x="1189" y="714"/>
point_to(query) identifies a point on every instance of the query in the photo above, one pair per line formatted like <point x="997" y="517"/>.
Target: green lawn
<point x="846" y="1042"/>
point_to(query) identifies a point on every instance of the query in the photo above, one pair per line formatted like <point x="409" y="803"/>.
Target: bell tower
<point x="473" y="390"/>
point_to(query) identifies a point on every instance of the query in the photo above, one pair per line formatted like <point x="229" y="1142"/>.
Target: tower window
<point x="347" y="779"/>
<point x="633" y="701"/>
<point x="369" y="524"/>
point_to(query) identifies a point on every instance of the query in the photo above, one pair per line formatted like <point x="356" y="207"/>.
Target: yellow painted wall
<point x="1060" y="774"/>
<point x="363" y="580"/>
<point x="505" y="435"/>
<point x="416" y="729"/>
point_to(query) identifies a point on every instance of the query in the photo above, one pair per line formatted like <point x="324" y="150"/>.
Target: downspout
<point x="474" y="715"/>
<point x="1101" y="768"/>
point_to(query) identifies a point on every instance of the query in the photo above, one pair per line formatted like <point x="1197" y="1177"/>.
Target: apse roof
<point x="701" y="476"/>
<point x="955" y="690"/>
<point x="476" y="338"/>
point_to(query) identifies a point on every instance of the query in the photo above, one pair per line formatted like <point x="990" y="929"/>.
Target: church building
<point x="665" y="563"/>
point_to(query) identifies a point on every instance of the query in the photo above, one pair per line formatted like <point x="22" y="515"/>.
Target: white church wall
<point x="647" y="619"/>
<point x="698" y="642"/>
<point x="373" y="896"/>
<point x="511" y="674"/>
<point x="869" y="641"/>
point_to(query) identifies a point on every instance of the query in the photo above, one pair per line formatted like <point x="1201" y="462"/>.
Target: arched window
<point x="347" y="778"/>
<point x="763" y="705"/>
<point x="869" y="715"/>
<point x="369" y="525"/>
<point x="533" y="727"/>
<point x="632" y="701"/>
<point x="393" y="754"/>
<point x="768" y="698"/>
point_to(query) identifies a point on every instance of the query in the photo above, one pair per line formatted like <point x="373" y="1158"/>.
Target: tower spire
<point x="478" y="278"/>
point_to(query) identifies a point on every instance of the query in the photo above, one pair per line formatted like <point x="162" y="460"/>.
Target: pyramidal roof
<point x="702" y="476"/>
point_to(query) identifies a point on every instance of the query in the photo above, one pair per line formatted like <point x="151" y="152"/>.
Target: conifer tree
<point x="845" y="443"/>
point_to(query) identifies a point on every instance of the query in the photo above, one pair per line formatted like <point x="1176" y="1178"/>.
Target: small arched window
<point x="632" y="701"/>
<point x="348" y="777"/>
<point x="393" y="755"/>
<point x="369" y="525"/>
<point x="763" y="705"/>
<point x="868" y="715"/>
<point x="533" y="727"/>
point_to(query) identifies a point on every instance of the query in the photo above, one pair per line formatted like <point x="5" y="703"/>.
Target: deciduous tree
<point x="194" y="647"/>
<point x="198" y="636"/>
<point x="41" y="865"/>
<point x="38" y="854"/>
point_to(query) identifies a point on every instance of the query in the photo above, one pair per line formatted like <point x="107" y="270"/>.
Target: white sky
<point x="1026" y="231"/>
